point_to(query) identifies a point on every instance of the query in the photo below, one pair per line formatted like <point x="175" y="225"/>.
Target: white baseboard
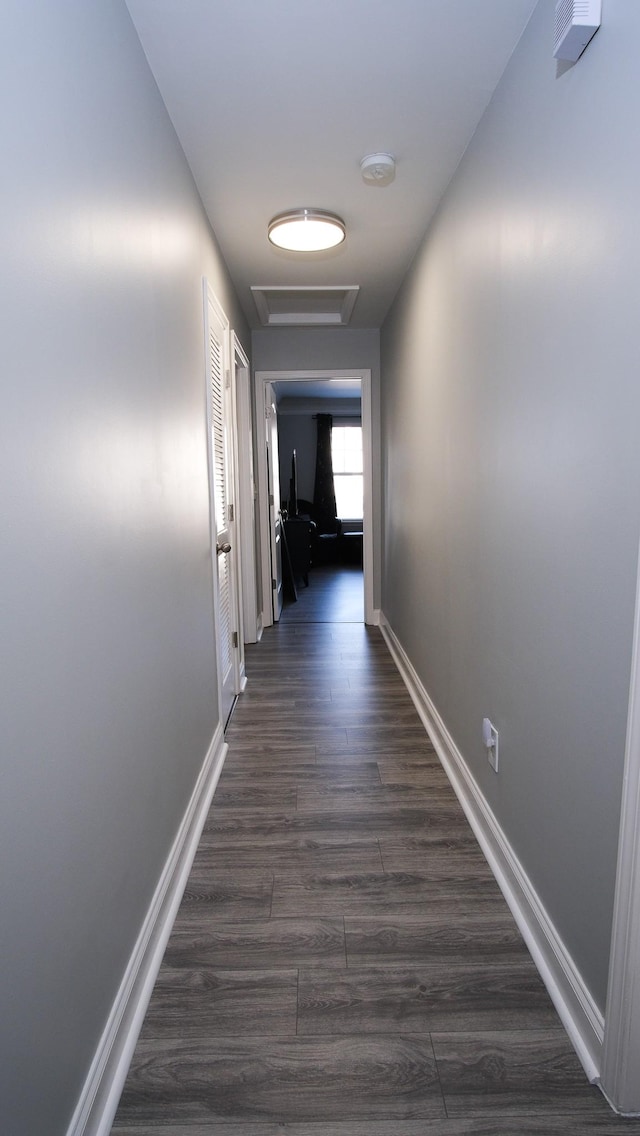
<point x="377" y="617"/>
<point x="99" y="1098"/>
<point x="576" y="1008"/>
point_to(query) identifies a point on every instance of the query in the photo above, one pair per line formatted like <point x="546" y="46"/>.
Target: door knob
<point x="224" y="547"/>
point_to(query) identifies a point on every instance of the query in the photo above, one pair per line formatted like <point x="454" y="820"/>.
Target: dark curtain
<point x="324" y="497"/>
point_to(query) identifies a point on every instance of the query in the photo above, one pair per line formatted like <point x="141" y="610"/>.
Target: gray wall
<point x="108" y="693"/>
<point x="512" y="487"/>
<point x="312" y="349"/>
<point x="297" y="432"/>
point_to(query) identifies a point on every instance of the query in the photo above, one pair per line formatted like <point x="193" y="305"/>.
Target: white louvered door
<point x="226" y="607"/>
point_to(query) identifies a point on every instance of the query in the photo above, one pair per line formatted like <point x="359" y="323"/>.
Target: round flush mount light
<point x="306" y="230"/>
<point x="378" y="169"/>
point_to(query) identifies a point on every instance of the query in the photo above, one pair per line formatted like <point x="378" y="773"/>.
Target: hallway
<point x="343" y="963"/>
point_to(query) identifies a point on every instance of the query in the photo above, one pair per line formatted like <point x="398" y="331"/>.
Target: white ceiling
<point x="276" y="101"/>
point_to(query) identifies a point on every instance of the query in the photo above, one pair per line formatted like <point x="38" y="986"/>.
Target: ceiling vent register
<point x="302" y="305"/>
<point x="577" y="21"/>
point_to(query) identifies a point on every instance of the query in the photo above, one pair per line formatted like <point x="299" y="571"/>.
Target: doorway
<point x="342" y="583"/>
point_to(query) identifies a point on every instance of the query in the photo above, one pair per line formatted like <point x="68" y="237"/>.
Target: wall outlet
<point x="490" y="739"/>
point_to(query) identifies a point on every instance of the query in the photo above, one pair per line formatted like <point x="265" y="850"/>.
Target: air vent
<point x="577" y="21"/>
<point x="304" y="306"/>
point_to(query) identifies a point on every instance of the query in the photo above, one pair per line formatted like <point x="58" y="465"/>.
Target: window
<point x="348" y="480"/>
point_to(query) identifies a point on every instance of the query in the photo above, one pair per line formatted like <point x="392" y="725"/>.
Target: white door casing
<point x="220" y="421"/>
<point x="247" y="494"/>
<point x="275" y="516"/>
<point x="620" y="1075"/>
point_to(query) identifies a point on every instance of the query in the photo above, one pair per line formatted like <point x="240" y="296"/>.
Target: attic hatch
<point x="285" y="305"/>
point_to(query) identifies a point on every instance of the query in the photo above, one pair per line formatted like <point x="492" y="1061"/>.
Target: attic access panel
<point x="305" y="305"/>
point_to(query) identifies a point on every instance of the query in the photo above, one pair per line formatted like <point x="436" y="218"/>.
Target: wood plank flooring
<point x="343" y="963"/>
<point x="334" y="595"/>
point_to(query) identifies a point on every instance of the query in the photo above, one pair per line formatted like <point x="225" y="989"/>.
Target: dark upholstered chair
<point x="326" y="544"/>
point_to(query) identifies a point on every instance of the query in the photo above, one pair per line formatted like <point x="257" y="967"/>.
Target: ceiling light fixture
<point x="306" y="230"/>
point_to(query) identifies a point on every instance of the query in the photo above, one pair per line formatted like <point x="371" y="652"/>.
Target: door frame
<point x="263" y="380"/>
<point x="620" y="1073"/>
<point x="275" y="525"/>
<point x="241" y="380"/>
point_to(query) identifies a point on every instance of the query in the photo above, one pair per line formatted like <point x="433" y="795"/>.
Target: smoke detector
<point x="577" y="21"/>
<point x="378" y="169"/>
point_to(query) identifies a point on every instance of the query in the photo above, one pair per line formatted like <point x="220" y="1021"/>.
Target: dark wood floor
<point x="343" y="963"/>
<point x="334" y="595"/>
